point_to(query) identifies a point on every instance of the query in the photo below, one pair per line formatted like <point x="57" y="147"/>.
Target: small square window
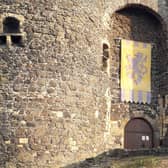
<point x="2" y="40"/>
<point x="16" y="40"/>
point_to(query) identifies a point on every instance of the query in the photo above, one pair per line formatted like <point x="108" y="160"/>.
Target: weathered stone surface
<point x="57" y="104"/>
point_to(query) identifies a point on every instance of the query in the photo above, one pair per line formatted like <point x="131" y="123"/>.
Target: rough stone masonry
<point x="59" y="104"/>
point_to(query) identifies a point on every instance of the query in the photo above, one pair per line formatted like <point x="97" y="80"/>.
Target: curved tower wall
<point x="56" y="98"/>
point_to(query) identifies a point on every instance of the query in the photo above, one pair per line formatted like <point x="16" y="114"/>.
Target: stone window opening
<point x="105" y="58"/>
<point x="16" y="40"/>
<point x="11" y="34"/>
<point x="164" y="101"/>
<point x="3" y="40"/>
<point x="11" y="25"/>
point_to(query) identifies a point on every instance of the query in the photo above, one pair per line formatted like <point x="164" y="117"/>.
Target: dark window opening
<point x="105" y="55"/>
<point x="3" y="40"/>
<point x="16" y="40"/>
<point x="11" y="25"/>
<point x="164" y="101"/>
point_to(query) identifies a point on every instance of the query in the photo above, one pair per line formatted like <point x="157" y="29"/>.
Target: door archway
<point x="138" y="134"/>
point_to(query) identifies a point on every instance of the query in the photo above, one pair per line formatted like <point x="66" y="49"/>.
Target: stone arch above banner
<point x="111" y="7"/>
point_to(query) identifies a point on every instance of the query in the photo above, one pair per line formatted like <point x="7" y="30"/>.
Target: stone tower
<point x="60" y="78"/>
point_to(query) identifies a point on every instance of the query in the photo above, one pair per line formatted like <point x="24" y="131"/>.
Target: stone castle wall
<point x="163" y="7"/>
<point x="163" y="98"/>
<point x="57" y="105"/>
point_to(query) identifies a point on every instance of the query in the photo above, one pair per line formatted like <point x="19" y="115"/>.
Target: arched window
<point x="11" y="34"/>
<point x="11" y="25"/>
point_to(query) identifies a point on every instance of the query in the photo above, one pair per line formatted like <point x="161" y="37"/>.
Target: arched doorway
<point x="138" y="23"/>
<point x="138" y="134"/>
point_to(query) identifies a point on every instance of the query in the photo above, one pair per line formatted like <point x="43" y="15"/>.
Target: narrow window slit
<point x="105" y="58"/>
<point x="164" y="101"/>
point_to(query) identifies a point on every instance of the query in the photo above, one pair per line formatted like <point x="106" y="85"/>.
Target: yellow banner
<point x="135" y="71"/>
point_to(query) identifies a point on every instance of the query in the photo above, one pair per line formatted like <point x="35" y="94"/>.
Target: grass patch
<point x="137" y="162"/>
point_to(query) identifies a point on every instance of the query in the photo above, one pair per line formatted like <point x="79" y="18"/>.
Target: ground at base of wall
<point x="130" y="162"/>
<point x="141" y="162"/>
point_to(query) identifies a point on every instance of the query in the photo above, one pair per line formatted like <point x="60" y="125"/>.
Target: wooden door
<point x="138" y="134"/>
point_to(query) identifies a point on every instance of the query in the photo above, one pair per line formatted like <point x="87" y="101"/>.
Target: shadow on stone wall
<point x="105" y="160"/>
<point x="4" y="138"/>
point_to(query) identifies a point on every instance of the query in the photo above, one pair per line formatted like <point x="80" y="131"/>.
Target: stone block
<point x="23" y="140"/>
